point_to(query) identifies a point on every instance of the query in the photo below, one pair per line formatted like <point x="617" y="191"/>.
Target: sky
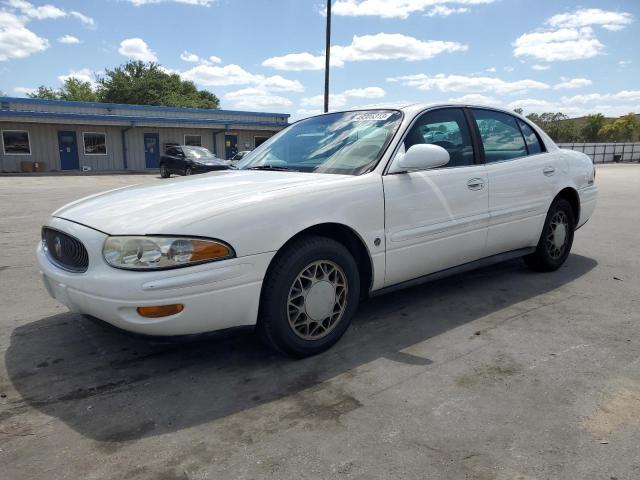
<point x="576" y="57"/>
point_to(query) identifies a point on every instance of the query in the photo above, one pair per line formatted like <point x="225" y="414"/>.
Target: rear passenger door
<point x="521" y="180"/>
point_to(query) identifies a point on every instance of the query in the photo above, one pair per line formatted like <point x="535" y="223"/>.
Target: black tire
<point x="164" y="171"/>
<point x="188" y="171"/>
<point x="548" y="256"/>
<point x="274" y="327"/>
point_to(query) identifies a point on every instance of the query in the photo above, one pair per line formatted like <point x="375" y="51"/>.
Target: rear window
<point x="533" y="142"/>
<point x="501" y="136"/>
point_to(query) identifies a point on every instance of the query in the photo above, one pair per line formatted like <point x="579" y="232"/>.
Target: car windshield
<point x="199" y="153"/>
<point x="347" y="143"/>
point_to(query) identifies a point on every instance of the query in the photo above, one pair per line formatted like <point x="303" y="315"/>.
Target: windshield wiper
<point x="272" y="168"/>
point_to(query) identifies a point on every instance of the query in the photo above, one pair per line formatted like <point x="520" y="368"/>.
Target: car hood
<point x="169" y="206"/>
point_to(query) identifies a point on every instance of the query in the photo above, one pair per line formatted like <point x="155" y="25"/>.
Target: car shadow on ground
<point x="112" y="387"/>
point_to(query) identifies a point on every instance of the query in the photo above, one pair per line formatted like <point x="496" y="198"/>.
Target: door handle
<point x="475" y="184"/>
<point x="548" y="171"/>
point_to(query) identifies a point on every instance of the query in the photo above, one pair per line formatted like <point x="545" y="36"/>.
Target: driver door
<point x="436" y="219"/>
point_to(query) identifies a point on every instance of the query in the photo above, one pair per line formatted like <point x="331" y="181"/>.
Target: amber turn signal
<point x="208" y="250"/>
<point x="160" y="310"/>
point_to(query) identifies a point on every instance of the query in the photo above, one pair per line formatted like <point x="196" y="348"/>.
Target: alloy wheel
<point x="558" y="235"/>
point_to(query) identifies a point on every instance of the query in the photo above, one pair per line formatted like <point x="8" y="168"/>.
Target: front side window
<point x="447" y="128"/>
<point x="533" y="142"/>
<point x="16" y="142"/>
<point x="95" y="143"/>
<point x="347" y="143"/>
<point x="193" y="140"/>
<point x="500" y="135"/>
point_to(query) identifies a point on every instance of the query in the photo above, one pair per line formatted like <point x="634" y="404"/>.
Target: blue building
<point x="61" y="135"/>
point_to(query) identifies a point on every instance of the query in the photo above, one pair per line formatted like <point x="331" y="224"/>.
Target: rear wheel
<point x="188" y="171"/>
<point x="164" y="171"/>
<point x="556" y="239"/>
<point x="309" y="297"/>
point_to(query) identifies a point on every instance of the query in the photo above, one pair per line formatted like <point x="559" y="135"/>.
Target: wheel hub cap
<point x="320" y="300"/>
<point x="557" y="237"/>
<point x="317" y="300"/>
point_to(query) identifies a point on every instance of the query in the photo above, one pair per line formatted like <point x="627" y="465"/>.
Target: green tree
<point x="620" y="130"/>
<point x="73" y="90"/>
<point x="568" y="132"/>
<point x="78" y="91"/>
<point x="550" y="122"/>
<point x="142" y="83"/>
<point x="518" y="110"/>
<point x="44" y="93"/>
<point x="593" y="125"/>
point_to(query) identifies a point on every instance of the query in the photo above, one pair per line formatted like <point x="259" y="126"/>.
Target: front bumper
<point x="215" y="295"/>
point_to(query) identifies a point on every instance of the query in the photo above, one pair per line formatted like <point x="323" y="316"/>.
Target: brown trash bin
<point x="26" y="167"/>
<point x="39" y="166"/>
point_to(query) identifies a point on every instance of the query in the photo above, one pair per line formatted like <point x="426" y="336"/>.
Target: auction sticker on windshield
<point x="361" y="117"/>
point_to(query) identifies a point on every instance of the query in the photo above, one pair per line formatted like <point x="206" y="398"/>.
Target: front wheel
<point x="164" y="171"/>
<point x="556" y="239"/>
<point x="309" y="297"/>
<point x="188" y="171"/>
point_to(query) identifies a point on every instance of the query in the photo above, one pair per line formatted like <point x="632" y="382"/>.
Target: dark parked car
<point x="185" y="160"/>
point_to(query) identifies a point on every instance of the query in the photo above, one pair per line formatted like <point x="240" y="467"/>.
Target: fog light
<point x="160" y="310"/>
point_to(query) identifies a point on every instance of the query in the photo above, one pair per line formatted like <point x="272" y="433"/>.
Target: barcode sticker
<point x="363" y="117"/>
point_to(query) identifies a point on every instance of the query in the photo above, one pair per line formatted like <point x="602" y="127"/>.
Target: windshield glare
<point x="198" y="152"/>
<point x="347" y="143"/>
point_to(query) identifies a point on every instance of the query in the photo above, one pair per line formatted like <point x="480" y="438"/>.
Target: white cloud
<point x="137" y="49"/>
<point x="254" y="98"/>
<point x="381" y="46"/>
<point x="444" y="11"/>
<point x="229" y="75"/>
<point x="25" y="90"/>
<point x="308" y="112"/>
<point x="394" y="8"/>
<point x="367" y="92"/>
<point x="471" y="84"/>
<point x="84" y="75"/>
<point x="570" y="35"/>
<point x="199" y="3"/>
<point x="17" y="41"/>
<point x="87" y="21"/>
<point x="591" y="16"/>
<point x="491" y="69"/>
<point x="563" y="44"/>
<point x="337" y="100"/>
<point x="69" y="40"/>
<point x="537" y="66"/>
<point x="572" y="83"/>
<point x="189" y="57"/>
<point x="476" y="99"/>
<point x="214" y="59"/>
<point x="611" y="104"/>
<point x="39" y="13"/>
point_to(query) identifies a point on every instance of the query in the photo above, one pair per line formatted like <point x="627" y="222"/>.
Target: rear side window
<point x="501" y="136"/>
<point x="447" y="128"/>
<point x="533" y="142"/>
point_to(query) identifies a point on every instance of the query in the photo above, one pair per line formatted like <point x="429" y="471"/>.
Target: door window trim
<point x="517" y="119"/>
<point x="396" y="149"/>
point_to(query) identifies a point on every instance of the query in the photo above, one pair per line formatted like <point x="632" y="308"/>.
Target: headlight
<point x="148" y="253"/>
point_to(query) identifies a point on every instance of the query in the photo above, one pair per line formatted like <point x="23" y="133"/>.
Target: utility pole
<point x="326" y="58"/>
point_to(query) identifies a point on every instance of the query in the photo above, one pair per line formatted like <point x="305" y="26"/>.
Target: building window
<point x="16" y="142"/>
<point x="193" y="140"/>
<point x="257" y="141"/>
<point x="95" y="143"/>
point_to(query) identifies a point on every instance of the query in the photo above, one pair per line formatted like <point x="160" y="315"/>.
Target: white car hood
<point x="168" y="206"/>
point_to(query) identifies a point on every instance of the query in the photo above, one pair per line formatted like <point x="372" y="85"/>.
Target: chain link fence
<point x="607" y="152"/>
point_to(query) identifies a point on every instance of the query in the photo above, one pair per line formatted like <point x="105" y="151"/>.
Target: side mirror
<point x="421" y="156"/>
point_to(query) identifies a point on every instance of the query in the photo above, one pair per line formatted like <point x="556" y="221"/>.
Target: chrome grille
<point x="65" y="251"/>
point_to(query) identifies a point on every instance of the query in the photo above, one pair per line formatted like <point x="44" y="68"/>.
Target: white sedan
<point x="330" y="210"/>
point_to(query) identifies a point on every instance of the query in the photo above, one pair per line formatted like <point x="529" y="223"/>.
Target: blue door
<point x="151" y="150"/>
<point x="230" y="146"/>
<point x="68" y="147"/>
